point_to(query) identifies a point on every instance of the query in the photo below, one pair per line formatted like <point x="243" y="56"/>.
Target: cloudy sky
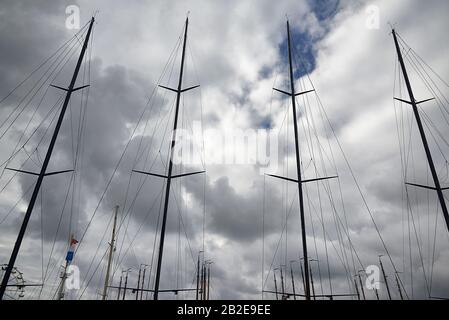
<point x="245" y="222"/>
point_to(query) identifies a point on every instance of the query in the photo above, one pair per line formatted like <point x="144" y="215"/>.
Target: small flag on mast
<point x="71" y="251"/>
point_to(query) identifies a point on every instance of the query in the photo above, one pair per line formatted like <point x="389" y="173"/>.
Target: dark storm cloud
<point x="27" y="35"/>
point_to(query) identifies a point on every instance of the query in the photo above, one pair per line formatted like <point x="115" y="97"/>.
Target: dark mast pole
<point x="293" y="280"/>
<point x="399" y="286"/>
<point x="126" y="284"/>
<point x="385" y="277"/>
<point x="414" y="104"/>
<point x="43" y="170"/>
<point x="361" y="285"/>
<point x="298" y="169"/>
<point x="143" y="280"/>
<point x="356" y="289"/>
<point x="302" y="276"/>
<point x="282" y="284"/>
<point x="208" y="280"/>
<point x="170" y="167"/>
<point x="313" y="286"/>
<point x="138" y="283"/>
<point x="198" y="277"/>
<point x="203" y="283"/>
<point x="275" y="284"/>
<point x="120" y="286"/>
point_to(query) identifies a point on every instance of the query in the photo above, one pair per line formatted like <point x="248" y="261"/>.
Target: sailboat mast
<point x="143" y="281"/>
<point x="275" y="284"/>
<point x="399" y="286"/>
<point x="298" y="169"/>
<point x="385" y="277"/>
<point x="62" y="282"/>
<point x="208" y="280"/>
<point x="68" y="261"/>
<point x="302" y="276"/>
<point x="120" y="286"/>
<point x="414" y="104"/>
<point x="293" y="281"/>
<point x="111" y="250"/>
<point x="203" y="291"/>
<point x="138" y="283"/>
<point x="126" y="284"/>
<point x="43" y="170"/>
<point x="170" y="168"/>
<point x="198" y="277"/>
<point x="361" y="286"/>
<point x="376" y="293"/>
<point x="313" y="286"/>
<point x="356" y="289"/>
<point x="282" y="284"/>
<point x="202" y="282"/>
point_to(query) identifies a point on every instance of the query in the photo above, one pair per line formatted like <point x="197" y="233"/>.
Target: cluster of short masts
<point x="360" y="286"/>
<point x="281" y="274"/>
<point x="203" y="276"/>
<point x="202" y="290"/>
<point x="281" y="292"/>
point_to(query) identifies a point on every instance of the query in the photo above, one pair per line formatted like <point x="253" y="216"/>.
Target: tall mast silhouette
<point x="414" y="105"/>
<point x="43" y="171"/>
<point x="298" y="180"/>
<point x="169" y="175"/>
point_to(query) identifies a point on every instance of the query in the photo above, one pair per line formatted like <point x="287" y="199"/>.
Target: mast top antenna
<point x="392" y="26"/>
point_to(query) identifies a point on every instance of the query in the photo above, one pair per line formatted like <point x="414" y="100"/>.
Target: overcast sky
<point x="237" y="53"/>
